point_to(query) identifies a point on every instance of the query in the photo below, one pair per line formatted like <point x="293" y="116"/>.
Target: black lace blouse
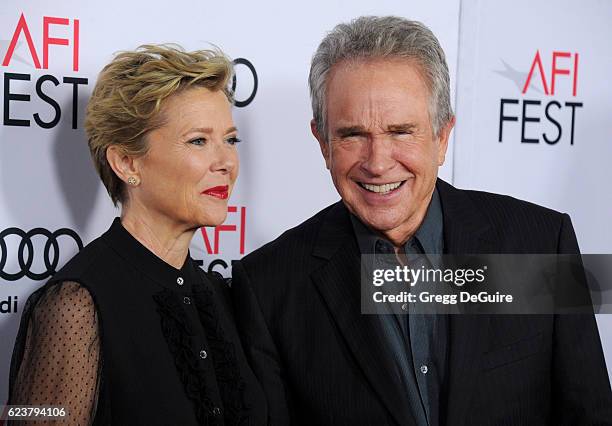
<point x="120" y="337"/>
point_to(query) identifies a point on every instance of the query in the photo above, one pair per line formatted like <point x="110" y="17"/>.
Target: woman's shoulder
<point x="95" y="257"/>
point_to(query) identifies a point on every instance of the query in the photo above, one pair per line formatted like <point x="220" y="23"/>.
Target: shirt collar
<point x="140" y="257"/>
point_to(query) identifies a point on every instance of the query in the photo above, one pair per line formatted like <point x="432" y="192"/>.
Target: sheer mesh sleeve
<point x="61" y="359"/>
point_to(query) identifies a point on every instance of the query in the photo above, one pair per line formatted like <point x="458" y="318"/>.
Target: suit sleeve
<point x="259" y="346"/>
<point x="580" y="384"/>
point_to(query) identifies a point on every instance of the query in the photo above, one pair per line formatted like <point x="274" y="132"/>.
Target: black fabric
<point x="170" y="350"/>
<point x="297" y="303"/>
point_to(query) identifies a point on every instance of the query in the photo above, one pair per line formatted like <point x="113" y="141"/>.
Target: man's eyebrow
<point x="349" y="130"/>
<point x="403" y="127"/>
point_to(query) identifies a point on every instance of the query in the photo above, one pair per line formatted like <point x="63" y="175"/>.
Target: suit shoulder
<point x="523" y="224"/>
<point x="516" y="225"/>
<point x="498" y="205"/>
<point x="297" y="240"/>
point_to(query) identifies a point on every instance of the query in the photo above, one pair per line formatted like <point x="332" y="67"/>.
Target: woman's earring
<point x="132" y="181"/>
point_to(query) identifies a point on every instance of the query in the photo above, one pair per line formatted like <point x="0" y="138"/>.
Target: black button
<point x="216" y="411"/>
<point x="186" y="300"/>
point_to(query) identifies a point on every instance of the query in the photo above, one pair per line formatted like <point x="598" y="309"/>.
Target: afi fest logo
<point x="42" y="85"/>
<point x="548" y="107"/>
<point x="232" y="233"/>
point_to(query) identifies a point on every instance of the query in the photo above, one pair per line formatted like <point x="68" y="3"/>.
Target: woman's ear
<point x="124" y="165"/>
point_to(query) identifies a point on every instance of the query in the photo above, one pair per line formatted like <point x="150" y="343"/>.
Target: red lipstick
<point x="221" y="192"/>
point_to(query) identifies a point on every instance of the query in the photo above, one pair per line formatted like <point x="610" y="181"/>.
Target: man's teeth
<point x="387" y="187"/>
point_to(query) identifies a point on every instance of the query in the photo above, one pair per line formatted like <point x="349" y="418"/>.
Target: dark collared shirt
<point x="419" y="341"/>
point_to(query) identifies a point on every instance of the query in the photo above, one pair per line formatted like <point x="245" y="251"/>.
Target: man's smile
<point x="384" y="188"/>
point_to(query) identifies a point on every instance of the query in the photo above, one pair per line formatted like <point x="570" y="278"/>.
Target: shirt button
<point x="424" y="369"/>
<point x="203" y="354"/>
<point x="216" y="411"/>
<point x="180" y="280"/>
<point x="186" y="301"/>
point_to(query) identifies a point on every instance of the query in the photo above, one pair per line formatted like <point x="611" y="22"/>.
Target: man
<point x="382" y="117"/>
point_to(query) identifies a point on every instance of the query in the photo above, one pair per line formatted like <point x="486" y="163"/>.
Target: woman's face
<point x="190" y="168"/>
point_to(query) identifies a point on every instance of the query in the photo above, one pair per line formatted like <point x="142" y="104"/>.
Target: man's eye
<point x="351" y="135"/>
<point x="233" y="140"/>
<point x="198" y="141"/>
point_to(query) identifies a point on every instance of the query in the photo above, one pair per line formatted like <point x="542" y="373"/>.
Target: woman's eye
<point x="198" y="141"/>
<point x="233" y="140"/>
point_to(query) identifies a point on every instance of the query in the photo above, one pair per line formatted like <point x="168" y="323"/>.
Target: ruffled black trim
<point x="229" y="379"/>
<point x="178" y="333"/>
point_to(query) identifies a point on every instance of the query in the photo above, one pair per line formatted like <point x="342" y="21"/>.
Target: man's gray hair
<point x="382" y="37"/>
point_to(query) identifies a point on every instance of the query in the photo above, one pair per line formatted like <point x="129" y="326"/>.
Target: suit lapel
<point x="338" y="282"/>
<point x="466" y="231"/>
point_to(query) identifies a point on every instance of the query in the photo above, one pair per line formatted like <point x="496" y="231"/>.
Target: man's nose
<point x="378" y="157"/>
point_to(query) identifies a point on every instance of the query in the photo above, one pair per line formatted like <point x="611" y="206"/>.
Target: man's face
<point x="382" y="153"/>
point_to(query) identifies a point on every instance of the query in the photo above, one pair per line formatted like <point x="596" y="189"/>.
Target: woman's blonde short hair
<point x="129" y="93"/>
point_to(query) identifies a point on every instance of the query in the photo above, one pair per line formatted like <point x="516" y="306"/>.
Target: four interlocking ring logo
<point x="249" y="65"/>
<point x="25" y="257"/>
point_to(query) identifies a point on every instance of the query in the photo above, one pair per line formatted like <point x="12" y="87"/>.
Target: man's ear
<point x="124" y="166"/>
<point x="443" y="136"/>
<point x="323" y="144"/>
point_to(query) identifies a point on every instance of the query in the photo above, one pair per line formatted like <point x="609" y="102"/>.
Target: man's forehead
<point x="353" y="65"/>
<point x="384" y="85"/>
<point x="376" y="110"/>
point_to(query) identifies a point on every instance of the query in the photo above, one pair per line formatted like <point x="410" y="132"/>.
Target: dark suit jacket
<point x="321" y="362"/>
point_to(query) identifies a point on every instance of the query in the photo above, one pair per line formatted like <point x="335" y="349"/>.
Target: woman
<point x="131" y="330"/>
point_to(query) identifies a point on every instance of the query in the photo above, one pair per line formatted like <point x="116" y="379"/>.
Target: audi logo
<point x="25" y="252"/>
<point x="251" y="68"/>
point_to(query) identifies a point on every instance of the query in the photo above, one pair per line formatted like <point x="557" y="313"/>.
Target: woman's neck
<point x="164" y="237"/>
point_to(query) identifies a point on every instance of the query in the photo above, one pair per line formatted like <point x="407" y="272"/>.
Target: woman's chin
<point x="212" y="221"/>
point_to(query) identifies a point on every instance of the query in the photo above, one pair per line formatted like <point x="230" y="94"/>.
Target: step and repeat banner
<point x="534" y="97"/>
<point x="51" y="200"/>
<point x="531" y="100"/>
